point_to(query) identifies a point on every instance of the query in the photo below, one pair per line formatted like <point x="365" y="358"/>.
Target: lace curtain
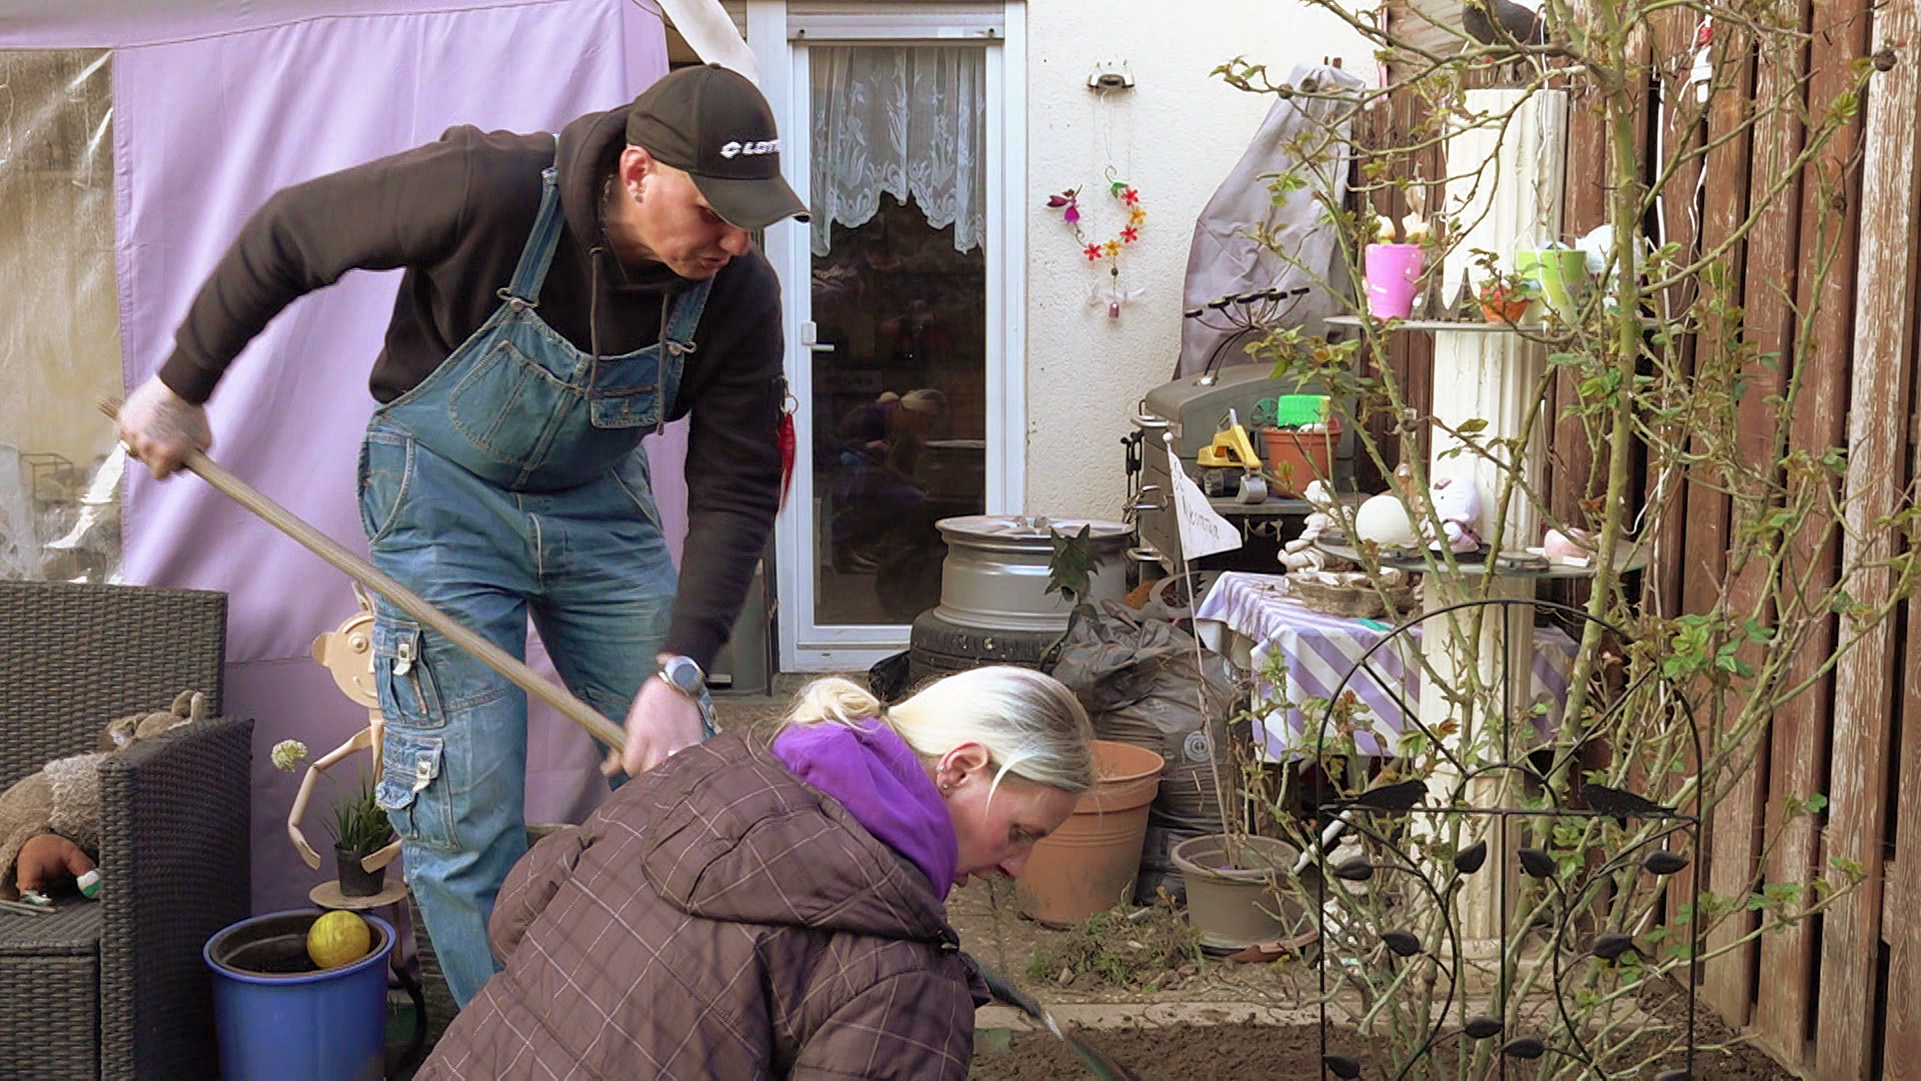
<point x="907" y="120"/>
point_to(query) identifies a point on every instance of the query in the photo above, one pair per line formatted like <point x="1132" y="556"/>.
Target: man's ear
<point x="636" y="164"/>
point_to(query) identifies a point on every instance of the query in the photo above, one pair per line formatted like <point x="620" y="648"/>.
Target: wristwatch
<point x="684" y="675"/>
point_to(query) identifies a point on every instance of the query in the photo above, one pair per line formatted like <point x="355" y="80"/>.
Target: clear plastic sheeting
<point x="60" y="325"/>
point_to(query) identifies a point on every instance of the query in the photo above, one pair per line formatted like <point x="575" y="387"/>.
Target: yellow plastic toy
<point x="1231" y="448"/>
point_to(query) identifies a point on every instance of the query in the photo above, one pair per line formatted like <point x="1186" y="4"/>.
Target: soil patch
<point x="1231" y="1052"/>
<point x="1159" y="969"/>
<point x="1252" y="1052"/>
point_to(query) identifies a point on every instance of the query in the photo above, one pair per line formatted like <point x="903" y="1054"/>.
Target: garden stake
<point x="509" y="666"/>
<point x="1097" y="1064"/>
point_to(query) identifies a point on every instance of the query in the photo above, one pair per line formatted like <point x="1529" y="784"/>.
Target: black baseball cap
<point x="714" y="124"/>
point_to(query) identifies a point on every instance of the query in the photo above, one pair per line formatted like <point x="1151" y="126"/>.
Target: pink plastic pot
<point x="1392" y="273"/>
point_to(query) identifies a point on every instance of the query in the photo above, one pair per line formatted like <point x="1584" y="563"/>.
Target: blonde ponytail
<point x="1030" y="723"/>
<point x="837" y="700"/>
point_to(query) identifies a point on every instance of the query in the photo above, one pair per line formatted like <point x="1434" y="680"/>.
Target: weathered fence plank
<point x="1785" y="1006"/>
<point x="1877" y="437"/>
<point x="1735" y="838"/>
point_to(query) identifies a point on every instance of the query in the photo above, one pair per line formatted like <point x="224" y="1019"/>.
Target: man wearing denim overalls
<point x="563" y="297"/>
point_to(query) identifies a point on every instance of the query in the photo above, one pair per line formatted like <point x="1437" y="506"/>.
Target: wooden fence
<point x="1839" y="997"/>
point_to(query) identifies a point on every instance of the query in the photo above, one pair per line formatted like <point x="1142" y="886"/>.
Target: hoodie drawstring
<point x="661" y="344"/>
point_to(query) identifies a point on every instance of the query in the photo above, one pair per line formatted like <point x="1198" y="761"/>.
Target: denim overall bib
<point x="510" y="483"/>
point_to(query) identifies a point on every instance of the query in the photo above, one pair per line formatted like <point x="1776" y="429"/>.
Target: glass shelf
<point x="1431" y="324"/>
<point x="1481" y="568"/>
<point x="1470" y="326"/>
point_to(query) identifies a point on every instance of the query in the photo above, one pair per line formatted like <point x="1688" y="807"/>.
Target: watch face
<point x="682" y="672"/>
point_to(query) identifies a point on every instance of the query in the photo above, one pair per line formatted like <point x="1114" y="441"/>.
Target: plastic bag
<point x="1144" y="683"/>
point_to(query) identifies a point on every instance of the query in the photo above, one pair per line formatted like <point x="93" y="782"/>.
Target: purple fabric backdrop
<point x="206" y="126"/>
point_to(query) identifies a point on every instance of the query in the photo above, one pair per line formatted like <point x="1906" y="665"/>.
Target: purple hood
<point x="881" y="782"/>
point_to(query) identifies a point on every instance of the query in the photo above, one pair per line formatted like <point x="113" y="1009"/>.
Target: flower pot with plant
<point x="364" y="841"/>
<point x="1505" y="302"/>
<point x="360" y="829"/>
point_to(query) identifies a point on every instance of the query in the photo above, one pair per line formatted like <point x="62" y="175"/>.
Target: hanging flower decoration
<point x="1068" y="203"/>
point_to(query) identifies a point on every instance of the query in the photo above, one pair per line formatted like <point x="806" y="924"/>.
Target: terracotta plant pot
<point x="355" y="881"/>
<point x="1298" y="459"/>
<point x="1230" y="902"/>
<point x="1089" y="864"/>
<point x="1503" y="310"/>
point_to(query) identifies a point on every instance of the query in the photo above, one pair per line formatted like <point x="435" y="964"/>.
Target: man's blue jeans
<point x="588" y="564"/>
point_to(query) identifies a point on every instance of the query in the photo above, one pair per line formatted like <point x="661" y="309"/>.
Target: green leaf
<point x="1072" y="565"/>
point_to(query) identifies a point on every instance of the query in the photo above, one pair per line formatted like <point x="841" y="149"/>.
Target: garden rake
<point x="358" y="569"/>
<point x="1098" y="1064"/>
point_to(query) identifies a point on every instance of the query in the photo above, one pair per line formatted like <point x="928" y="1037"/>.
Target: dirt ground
<point x="1243" y="1052"/>
<point x="1191" y="1021"/>
<point x="992" y="930"/>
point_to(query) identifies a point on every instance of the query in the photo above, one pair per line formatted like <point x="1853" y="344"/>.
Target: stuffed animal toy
<point x="1458" y="505"/>
<point x="50" y="820"/>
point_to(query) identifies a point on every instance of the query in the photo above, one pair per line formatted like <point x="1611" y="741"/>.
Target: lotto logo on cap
<point x="714" y="124"/>
<point x="765" y="146"/>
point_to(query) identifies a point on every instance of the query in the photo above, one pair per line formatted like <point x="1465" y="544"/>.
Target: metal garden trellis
<point x="1410" y="798"/>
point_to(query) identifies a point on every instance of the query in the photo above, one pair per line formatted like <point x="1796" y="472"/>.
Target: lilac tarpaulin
<point x="216" y="108"/>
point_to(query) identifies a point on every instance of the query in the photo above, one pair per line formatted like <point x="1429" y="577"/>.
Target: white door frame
<point x="805" y="646"/>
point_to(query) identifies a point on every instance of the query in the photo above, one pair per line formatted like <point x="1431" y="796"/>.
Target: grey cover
<point x="1223" y="258"/>
<point x="1142" y="682"/>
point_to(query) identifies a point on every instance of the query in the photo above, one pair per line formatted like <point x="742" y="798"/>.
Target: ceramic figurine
<point x="1300" y="554"/>
<point x="1457" y="503"/>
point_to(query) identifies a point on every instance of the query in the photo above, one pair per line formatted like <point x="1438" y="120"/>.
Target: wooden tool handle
<point x="509" y="666"/>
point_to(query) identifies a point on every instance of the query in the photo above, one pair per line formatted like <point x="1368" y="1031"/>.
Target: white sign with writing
<point x="1203" y="532"/>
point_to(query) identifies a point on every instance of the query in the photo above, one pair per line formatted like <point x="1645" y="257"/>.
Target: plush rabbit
<point x="50" y="820"/>
<point x="1458" y="505"/>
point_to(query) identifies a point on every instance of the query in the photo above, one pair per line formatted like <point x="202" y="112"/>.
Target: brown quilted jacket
<point x="716" y="918"/>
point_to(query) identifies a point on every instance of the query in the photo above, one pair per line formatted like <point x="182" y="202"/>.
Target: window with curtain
<point x="899" y="191"/>
<point x="907" y="120"/>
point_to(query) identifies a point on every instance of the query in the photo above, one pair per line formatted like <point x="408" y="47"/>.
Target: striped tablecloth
<point x="1318" y="650"/>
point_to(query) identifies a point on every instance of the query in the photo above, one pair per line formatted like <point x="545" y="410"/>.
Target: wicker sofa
<point x="117" y="989"/>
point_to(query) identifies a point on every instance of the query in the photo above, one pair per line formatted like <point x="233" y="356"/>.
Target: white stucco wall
<point x="1174" y="136"/>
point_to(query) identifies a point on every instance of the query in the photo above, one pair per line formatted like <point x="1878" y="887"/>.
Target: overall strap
<point x="538" y="254"/>
<point x="677" y="337"/>
<point x="684" y="319"/>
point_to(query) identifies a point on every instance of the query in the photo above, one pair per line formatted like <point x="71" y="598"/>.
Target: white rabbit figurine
<point x="1458" y="505"/>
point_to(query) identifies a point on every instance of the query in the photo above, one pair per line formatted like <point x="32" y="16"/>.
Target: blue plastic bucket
<point x="279" y="1023"/>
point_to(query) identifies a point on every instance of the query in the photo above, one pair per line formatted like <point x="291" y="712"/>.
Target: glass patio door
<point x="897" y="343"/>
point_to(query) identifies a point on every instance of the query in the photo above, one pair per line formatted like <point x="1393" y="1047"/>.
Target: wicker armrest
<point x="175" y="853"/>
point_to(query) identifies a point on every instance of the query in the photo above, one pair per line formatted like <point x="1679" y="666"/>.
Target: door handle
<point x="810" y="337"/>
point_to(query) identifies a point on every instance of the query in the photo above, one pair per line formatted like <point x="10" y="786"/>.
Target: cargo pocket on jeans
<point x="413" y="790"/>
<point x="409" y="694"/>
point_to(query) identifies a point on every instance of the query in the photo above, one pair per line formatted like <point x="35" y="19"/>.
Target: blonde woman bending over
<point x="772" y="904"/>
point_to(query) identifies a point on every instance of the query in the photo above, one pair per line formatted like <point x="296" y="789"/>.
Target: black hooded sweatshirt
<point x="455" y="215"/>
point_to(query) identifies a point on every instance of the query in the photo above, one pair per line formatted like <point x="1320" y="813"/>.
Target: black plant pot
<point x="354" y="880"/>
